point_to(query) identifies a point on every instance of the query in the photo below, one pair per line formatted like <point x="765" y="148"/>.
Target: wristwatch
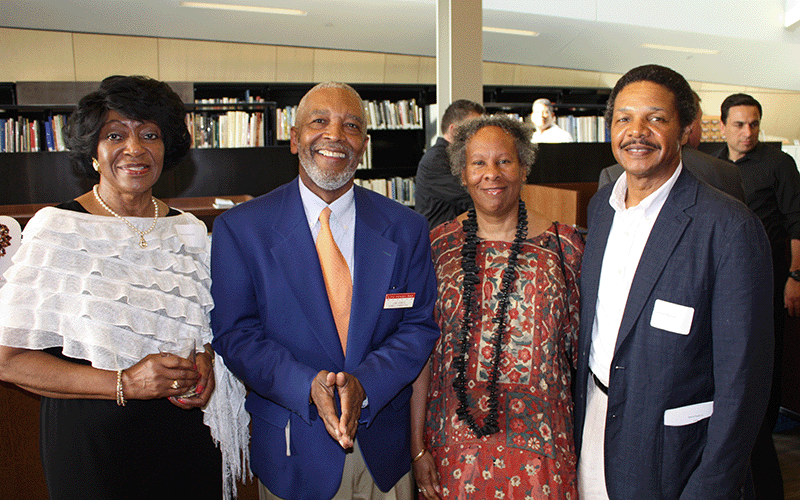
<point x="795" y="275"/>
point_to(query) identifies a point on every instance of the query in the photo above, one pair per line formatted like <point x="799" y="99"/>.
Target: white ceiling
<point x="755" y="49"/>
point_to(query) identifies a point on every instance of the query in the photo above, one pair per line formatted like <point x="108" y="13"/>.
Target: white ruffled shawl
<point x="82" y="282"/>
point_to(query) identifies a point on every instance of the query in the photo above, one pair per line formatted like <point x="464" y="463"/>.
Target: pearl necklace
<point x="142" y="241"/>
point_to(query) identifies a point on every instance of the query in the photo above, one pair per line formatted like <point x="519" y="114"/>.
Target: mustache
<point x="642" y="142"/>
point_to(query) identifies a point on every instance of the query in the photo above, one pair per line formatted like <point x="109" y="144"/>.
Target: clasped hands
<point x="351" y="396"/>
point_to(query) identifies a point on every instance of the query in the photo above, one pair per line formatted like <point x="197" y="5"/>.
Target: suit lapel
<point x="305" y="277"/>
<point x="664" y="237"/>
<point x="374" y="261"/>
<point x="600" y="226"/>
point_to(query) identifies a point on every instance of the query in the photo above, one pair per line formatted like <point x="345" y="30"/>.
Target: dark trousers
<point x="764" y="463"/>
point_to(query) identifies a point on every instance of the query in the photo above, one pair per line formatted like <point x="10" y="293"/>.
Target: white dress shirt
<point x="626" y="241"/>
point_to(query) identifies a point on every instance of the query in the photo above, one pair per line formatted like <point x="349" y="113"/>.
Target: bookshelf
<point x="579" y="110"/>
<point x="210" y="171"/>
<point x="226" y="123"/>
<point x="395" y="150"/>
<point x="30" y="129"/>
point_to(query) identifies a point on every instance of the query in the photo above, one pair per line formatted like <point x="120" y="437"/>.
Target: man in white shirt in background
<point x="544" y="120"/>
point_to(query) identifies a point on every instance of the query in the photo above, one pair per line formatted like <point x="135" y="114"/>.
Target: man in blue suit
<point x="676" y="324"/>
<point x="329" y="395"/>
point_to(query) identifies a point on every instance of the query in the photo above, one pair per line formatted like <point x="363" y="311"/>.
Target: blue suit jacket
<point x="709" y="252"/>
<point x="274" y="327"/>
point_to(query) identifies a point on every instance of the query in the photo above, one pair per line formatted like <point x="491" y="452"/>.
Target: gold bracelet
<point x="419" y="455"/>
<point x="211" y="354"/>
<point x="120" y="394"/>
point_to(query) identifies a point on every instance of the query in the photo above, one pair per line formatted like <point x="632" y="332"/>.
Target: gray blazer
<point x="713" y="171"/>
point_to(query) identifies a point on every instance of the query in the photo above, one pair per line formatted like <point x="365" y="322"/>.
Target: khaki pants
<point x="357" y="484"/>
<point x="591" y="465"/>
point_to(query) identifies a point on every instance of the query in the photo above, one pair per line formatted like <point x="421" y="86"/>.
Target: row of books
<point x="399" y="189"/>
<point x="585" y="128"/>
<point x="403" y="114"/>
<point x="215" y="127"/>
<point x="232" y="129"/>
<point x="26" y="135"/>
<point x="381" y="115"/>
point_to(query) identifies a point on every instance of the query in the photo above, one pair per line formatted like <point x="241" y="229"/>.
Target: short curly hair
<point x="660" y="75"/>
<point x="457" y="150"/>
<point x="135" y="97"/>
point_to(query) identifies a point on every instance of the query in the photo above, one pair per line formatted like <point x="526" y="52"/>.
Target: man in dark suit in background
<point x="772" y="186"/>
<point x="711" y="170"/>
<point x="675" y="347"/>
<point x="440" y="197"/>
<point x="323" y="305"/>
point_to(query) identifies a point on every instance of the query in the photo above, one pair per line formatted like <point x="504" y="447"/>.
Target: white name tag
<point x="671" y="317"/>
<point x="399" y="300"/>
<point x="686" y="415"/>
<point x="192" y="235"/>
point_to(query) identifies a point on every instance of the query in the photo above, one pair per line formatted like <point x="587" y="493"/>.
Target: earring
<point x="95" y="164"/>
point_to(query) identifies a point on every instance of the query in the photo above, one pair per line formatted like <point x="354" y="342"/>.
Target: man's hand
<point x="791" y="297"/>
<point x="322" y="396"/>
<point x="351" y="397"/>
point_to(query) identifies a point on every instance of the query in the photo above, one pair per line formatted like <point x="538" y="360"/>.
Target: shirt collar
<point x="650" y="205"/>
<point x="313" y="204"/>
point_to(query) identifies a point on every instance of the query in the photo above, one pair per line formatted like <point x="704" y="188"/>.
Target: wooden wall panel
<point x="201" y="61"/>
<point x="401" y="69"/>
<point x="32" y="55"/>
<point x="427" y="70"/>
<point x="556" y="204"/>
<point x="21" y="474"/>
<point x="498" y="73"/>
<point x="99" y="56"/>
<point x="348" y="66"/>
<point x="295" y="65"/>
<point x="557" y="77"/>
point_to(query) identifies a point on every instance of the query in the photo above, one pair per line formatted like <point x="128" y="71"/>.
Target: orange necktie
<point x="338" y="283"/>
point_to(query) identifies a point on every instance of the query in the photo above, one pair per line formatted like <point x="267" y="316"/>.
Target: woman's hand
<point x="205" y="385"/>
<point x="159" y="376"/>
<point x="426" y="476"/>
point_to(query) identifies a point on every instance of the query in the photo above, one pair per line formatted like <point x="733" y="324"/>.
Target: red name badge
<point x="399" y="300"/>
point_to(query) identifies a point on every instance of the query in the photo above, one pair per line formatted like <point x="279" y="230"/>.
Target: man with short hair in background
<point x="440" y="197"/>
<point x="772" y="190"/>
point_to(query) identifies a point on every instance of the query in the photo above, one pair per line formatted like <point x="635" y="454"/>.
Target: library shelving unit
<point x="579" y="110"/>
<point x="210" y="170"/>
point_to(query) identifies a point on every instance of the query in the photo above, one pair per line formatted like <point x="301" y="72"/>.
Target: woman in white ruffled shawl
<point x="98" y="285"/>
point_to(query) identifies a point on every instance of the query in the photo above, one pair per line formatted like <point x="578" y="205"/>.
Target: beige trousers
<point x="591" y="465"/>
<point x="357" y="484"/>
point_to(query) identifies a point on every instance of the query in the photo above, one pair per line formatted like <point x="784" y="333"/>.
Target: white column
<point x="459" y="51"/>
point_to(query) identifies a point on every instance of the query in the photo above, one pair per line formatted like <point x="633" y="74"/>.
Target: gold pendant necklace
<point x="142" y="241"/>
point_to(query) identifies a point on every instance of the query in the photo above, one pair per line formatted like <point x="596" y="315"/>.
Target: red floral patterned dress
<point x="533" y="456"/>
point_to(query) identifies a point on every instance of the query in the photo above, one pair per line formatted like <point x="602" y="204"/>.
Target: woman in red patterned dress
<point x="492" y="411"/>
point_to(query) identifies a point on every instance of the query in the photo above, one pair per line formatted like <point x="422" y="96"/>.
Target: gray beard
<point x="325" y="180"/>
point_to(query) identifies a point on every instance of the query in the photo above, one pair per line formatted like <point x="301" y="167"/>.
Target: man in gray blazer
<point x="709" y="169"/>
<point x="675" y="345"/>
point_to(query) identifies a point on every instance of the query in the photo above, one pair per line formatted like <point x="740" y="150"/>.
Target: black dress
<point x="94" y="449"/>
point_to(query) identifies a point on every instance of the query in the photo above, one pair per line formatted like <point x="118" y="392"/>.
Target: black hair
<point x="135" y="97"/>
<point x="667" y="78"/>
<point x="737" y="100"/>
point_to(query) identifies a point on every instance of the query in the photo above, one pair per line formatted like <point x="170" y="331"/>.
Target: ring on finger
<point x="175" y="384"/>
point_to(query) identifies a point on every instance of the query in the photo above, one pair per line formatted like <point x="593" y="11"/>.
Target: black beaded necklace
<point x="470" y="269"/>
